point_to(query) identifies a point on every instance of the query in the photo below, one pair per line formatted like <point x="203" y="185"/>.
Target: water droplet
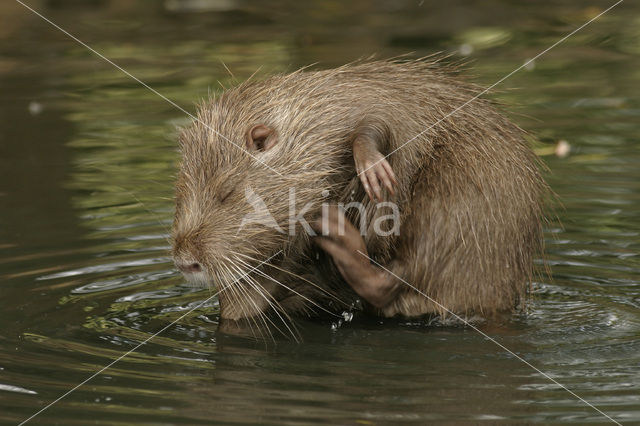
<point x="562" y="148"/>
<point x="35" y="108"/>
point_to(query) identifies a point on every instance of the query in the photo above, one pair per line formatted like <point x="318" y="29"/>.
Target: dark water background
<point x="87" y="160"/>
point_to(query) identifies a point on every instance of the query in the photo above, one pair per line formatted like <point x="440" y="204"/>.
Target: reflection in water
<point x="87" y="163"/>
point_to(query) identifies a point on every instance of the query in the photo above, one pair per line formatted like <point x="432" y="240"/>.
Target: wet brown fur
<point x="469" y="190"/>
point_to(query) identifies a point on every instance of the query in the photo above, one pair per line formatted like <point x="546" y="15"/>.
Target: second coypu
<point x="466" y="185"/>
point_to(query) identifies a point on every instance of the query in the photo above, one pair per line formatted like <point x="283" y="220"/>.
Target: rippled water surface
<point x="87" y="160"/>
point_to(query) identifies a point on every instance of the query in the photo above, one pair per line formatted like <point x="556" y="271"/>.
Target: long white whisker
<point x="327" y="292"/>
<point x="273" y="302"/>
<point x="262" y="315"/>
<point x="235" y="290"/>
<point x="255" y="285"/>
<point x="259" y="313"/>
<point x="262" y="273"/>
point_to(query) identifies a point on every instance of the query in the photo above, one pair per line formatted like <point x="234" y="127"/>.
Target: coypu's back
<point x="469" y="190"/>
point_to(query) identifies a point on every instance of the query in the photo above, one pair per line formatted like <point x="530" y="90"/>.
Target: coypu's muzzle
<point x="192" y="270"/>
<point x="241" y="294"/>
<point x="188" y="267"/>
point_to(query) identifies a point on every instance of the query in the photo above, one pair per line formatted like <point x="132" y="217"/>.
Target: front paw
<point x="340" y="239"/>
<point x="375" y="172"/>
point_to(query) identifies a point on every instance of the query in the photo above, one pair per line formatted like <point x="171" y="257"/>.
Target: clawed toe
<point x="377" y="175"/>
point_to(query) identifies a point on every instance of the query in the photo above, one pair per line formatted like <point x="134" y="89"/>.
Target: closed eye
<point x="225" y="194"/>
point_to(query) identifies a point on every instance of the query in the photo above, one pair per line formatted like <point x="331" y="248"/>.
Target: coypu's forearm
<point x="370" y="138"/>
<point x="374" y="284"/>
<point x="340" y="239"/>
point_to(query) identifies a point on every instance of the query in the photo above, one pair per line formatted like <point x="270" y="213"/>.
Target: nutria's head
<point x="243" y="161"/>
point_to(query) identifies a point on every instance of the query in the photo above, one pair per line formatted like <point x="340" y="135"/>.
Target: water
<point x="87" y="161"/>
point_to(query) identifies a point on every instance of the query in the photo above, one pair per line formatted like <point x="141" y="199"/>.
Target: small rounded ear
<point x="261" y="138"/>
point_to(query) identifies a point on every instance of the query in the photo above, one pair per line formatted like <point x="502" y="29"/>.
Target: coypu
<point x="467" y="189"/>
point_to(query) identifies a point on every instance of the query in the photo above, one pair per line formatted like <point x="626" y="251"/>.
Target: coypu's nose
<point x="188" y="267"/>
